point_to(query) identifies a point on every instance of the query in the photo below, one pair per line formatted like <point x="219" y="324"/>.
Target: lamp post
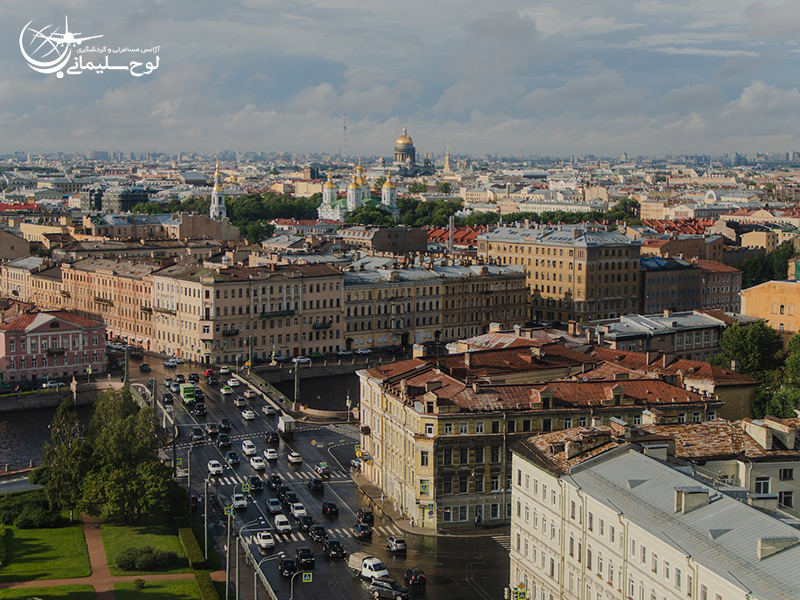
<point x="258" y="568"/>
<point x="189" y="481"/>
<point x="240" y="539"/>
<point x="228" y="545"/>
<point x="291" y="585"/>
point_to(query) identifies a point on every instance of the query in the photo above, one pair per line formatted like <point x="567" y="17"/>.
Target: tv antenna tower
<point x="344" y="136"/>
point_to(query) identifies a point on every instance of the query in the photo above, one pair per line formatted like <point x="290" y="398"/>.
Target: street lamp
<point x="258" y="521"/>
<point x="257" y="569"/>
<point x="291" y="584"/>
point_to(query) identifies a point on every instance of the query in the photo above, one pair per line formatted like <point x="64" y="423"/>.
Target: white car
<point x="363" y="351"/>
<point x="264" y="540"/>
<point x="248" y="448"/>
<point x="301" y="360"/>
<point x="239" y="402"/>
<point x="249" y="394"/>
<point x="298" y="510"/>
<point x="224" y="370"/>
<point x="257" y="463"/>
<point x="239" y="501"/>
<point x="215" y="467"/>
<point x="271" y="454"/>
<point x="294" y="458"/>
<point x="345" y="352"/>
<point x="274" y="506"/>
<point x="170" y="363"/>
<point x="178" y="360"/>
<point x="233" y="382"/>
<point x="226" y="391"/>
<point x="282" y="524"/>
<point x="248" y="415"/>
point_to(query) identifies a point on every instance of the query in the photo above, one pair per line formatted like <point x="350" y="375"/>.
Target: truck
<point x="187" y="393"/>
<point x="366" y="566"/>
<point x="286" y="425"/>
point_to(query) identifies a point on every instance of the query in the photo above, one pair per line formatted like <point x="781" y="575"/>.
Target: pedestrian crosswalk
<point x="504" y="541"/>
<point x="334" y="533"/>
<point x="289" y="476"/>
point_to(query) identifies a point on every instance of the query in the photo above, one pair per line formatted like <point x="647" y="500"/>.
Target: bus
<point x="187" y="393"/>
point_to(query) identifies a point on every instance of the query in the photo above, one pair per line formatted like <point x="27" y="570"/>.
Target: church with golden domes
<point x="358" y="194"/>
<point x="405" y="158"/>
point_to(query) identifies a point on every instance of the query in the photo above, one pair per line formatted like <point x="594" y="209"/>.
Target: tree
<point x="417" y="187"/>
<point x="369" y="215"/>
<point x="443" y="187"/>
<point x="148" y="208"/>
<point x="378" y="185"/>
<point x="774" y="265"/>
<point x="757" y="347"/>
<point x="258" y="231"/>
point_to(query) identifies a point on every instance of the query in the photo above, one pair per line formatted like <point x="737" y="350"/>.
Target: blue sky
<point x="547" y="77"/>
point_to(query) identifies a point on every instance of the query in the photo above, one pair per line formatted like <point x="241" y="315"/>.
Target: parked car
<point x="362" y="532"/>
<point x="264" y="540"/>
<point x="396" y="544"/>
<point x="223" y="441"/>
<point x="257" y="463"/>
<point x="294" y="458"/>
<point x="330" y="508"/>
<point x="224" y="370"/>
<point x="239" y="501"/>
<point x="256" y="483"/>
<point x="334" y="549"/>
<point x="145" y="368"/>
<point x="270" y="454"/>
<point x="318" y="533"/>
<point x="249" y="448"/>
<point x="345" y="352"/>
<point x="282" y="524"/>
<point x="301" y="360"/>
<point x="224" y="424"/>
<point x="178" y="360"/>
<point x="388" y="588"/>
<point x="170" y="364"/>
<point x="365" y="515"/>
<point x="274" y="505"/>
<point x="304" y="557"/>
<point x="415" y="576"/>
<point x="214" y="467"/>
<point x="363" y="351"/>
<point x="232" y="457"/>
<point x="287" y="567"/>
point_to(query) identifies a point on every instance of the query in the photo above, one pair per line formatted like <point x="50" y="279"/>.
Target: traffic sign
<point x="178" y="462"/>
<point x="430" y="506"/>
<point x="228" y="510"/>
<point x="307" y="577"/>
<point x="313" y="442"/>
<point x="245" y="487"/>
<point x="247" y="364"/>
<point x="423" y="488"/>
<point x="358" y="453"/>
<point x="522" y="595"/>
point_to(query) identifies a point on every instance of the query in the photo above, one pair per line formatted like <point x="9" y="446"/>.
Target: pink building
<point x="50" y="344"/>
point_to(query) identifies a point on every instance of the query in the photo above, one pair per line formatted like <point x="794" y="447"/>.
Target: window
<point x="602" y="527"/>
<point x="762" y="485"/>
<point x="703" y="592"/>
<point x="666" y="569"/>
<point x="633" y="547"/>
<point x="786" y="499"/>
<point x="654" y="562"/>
<point x="479" y="427"/>
<point x="495" y="426"/>
<point x="429" y="429"/>
<point x="462" y="428"/>
<point x="447" y="456"/>
<point x="644" y="554"/>
<point x="448" y="485"/>
<point x="590" y="524"/>
<point x="478" y="456"/>
<point x="786" y="474"/>
<point x="448" y="428"/>
<point x="495" y="483"/>
<point x="678" y="580"/>
<point x="423" y="458"/>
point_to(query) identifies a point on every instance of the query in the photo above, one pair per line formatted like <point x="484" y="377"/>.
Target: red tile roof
<point x="712" y="266"/>
<point x="24" y="321"/>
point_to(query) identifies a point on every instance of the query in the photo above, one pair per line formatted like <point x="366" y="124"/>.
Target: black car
<point x="224" y="424"/>
<point x="362" y="532"/>
<point x="281" y="492"/>
<point x="388" y="588"/>
<point x="224" y="441"/>
<point x="291" y="497"/>
<point x="179" y="378"/>
<point x="304" y="557"/>
<point x="306" y="522"/>
<point x="272" y="438"/>
<point x="415" y="576"/>
<point x="315" y="485"/>
<point x="232" y="458"/>
<point x="364" y="515"/>
<point x="256" y="483"/>
<point x="144" y="368"/>
<point x="318" y="533"/>
<point x="168" y="398"/>
<point x="197" y="435"/>
<point x="199" y="410"/>
<point x="275" y="481"/>
<point x="212" y="380"/>
<point x="333" y="548"/>
<point x="330" y="508"/>
<point x="287" y="567"/>
<point x="212" y="428"/>
<point x="198" y="394"/>
<point x="194" y="377"/>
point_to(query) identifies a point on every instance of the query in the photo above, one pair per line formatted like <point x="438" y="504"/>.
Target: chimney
<point x="667" y="312"/>
<point x="651" y="356"/>
<point x="468" y="359"/>
<point x="432" y="385"/>
<point x="735" y="365"/>
<point x="666" y="360"/>
<point x="767" y="546"/>
<point x="688" y="498"/>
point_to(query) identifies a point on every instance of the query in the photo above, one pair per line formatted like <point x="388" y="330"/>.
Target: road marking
<point x="504" y="541"/>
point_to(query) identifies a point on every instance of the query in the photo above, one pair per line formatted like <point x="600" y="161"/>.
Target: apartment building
<point x="225" y="314"/>
<point x="397" y="240"/>
<point x="775" y="302"/>
<point x="12" y="246"/>
<point x="15" y="276"/>
<point x="721" y="285"/>
<point x="669" y="284"/>
<point x="580" y="272"/>
<point x="387" y="304"/>
<point x="594" y="518"/>
<point x="178" y="226"/>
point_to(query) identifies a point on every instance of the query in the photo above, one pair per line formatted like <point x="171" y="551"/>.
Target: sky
<point x="543" y="77"/>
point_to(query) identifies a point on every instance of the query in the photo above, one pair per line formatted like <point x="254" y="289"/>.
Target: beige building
<point x="12" y="246"/>
<point x="228" y="314"/>
<point x="179" y="226"/>
<point x="776" y="302"/>
<point x="768" y="240"/>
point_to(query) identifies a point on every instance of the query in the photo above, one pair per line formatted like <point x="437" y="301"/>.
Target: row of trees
<point x="110" y="469"/>
<point x="766" y="267"/>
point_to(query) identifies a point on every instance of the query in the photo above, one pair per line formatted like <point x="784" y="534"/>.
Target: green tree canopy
<point x="369" y="215"/>
<point x="774" y="265"/>
<point x="757" y="347"/>
<point x="444" y="187"/>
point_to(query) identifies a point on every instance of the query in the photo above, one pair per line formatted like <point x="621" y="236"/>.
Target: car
<point x="345" y="352"/>
<point x="297" y="510"/>
<point x="224" y="441"/>
<point x="274" y="505"/>
<point x="193" y="377"/>
<point x="256" y="483"/>
<point x="199" y="410"/>
<point x="269" y="410"/>
<point x="233" y="382"/>
<point x="232" y="457"/>
<point x="275" y="481"/>
<point x="170" y="364"/>
<point x="290" y="498"/>
<point x="145" y="368"/>
<point x="224" y="424"/>
<point x="318" y="533"/>
<point x="168" y="382"/>
<point x="388" y="588"/>
<point x="249" y="394"/>
<point x="282" y="524"/>
<point x="248" y="414"/>
<point x="362" y="532"/>
<point x="315" y="485"/>
<point x="281" y="491"/>
<point x="178" y="360"/>
<point x="363" y="351"/>
<point x="208" y="373"/>
<point x="226" y="391"/>
<point x="365" y="515"/>
<point x="53" y="385"/>
<point x="270" y="454"/>
<point x="396" y="544"/>
<point x="301" y="360"/>
<point x="257" y="463"/>
<point x="239" y="501"/>
<point x="272" y="438"/>
<point x="212" y="380"/>
<point x="287" y="567"/>
<point x="304" y="557"/>
<point x="330" y="508"/>
<point x="224" y="370"/>
<point x="334" y="549"/>
<point x="323" y="470"/>
<point x="264" y="540"/>
<point x="239" y="402"/>
<point x="175" y="387"/>
<point x="214" y="467"/>
<point x="212" y="429"/>
<point x="306" y="522"/>
<point x="199" y="395"/>
<point x="249" y="448"/>
<point x="415" y="576"/>
<point x="317" y="355"/>
<point x="294" y="458"/>
<point x="179" y="378"/>
<point x="168" y="398"/>
<point x="197" y="435"/>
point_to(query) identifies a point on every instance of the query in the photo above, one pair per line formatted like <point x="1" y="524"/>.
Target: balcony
<point x="266" y="314"/>
<point x="321" y="325"/>
<point x="229" y="332"/>
<point x="105" y="301"/>
<point x="147" y="309"/>
<point x="56" y="350"/>
<point x="65" y="293"/>
<point x="165" y="311"/>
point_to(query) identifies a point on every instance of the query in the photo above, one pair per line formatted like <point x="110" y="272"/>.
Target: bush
<point x="11" y="505"/>
<point x="197" y="559"/>
<point x="206" y="586"/>
<point x="138" y="584"/>
<point x="146" y="559"/>
<point x="36" y="516"/>
<point x="3" y="550"/>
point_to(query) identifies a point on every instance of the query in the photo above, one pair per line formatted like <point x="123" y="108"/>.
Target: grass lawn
<point x="63" y="592"/>
<point x="154" y="533"/>
<point x="45" y="554"/>
<point x="179" y="589"/>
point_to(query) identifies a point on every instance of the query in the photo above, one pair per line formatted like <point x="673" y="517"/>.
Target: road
<point x="457" y="567"/>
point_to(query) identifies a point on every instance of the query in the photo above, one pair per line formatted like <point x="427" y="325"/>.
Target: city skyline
<point x="551" y="79"/>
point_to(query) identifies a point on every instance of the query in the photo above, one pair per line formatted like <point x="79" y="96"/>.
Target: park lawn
<point x="57" y="592"/>
<point x="154" y="533"/>
<point x="45" y="554"/>
<point x="176" y="589"/>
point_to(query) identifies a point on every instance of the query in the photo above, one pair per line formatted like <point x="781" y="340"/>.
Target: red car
<point x="208" y="372"/>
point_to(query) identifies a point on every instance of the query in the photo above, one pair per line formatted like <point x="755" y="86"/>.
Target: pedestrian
<point x="382" y="497"/>
<point x="412" y="521"/>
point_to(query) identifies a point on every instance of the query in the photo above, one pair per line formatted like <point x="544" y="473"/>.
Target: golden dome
<point x="329" y="184"/>
<point x="353" y="184"/>
<point x="405" y="139"/>
<point x="388" y="184"/>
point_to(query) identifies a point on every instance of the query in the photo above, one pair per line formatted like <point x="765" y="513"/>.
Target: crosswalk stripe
<point x="503" y="540"/>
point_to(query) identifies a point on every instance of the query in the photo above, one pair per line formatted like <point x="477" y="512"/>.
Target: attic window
<point x="54" y="324"/>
